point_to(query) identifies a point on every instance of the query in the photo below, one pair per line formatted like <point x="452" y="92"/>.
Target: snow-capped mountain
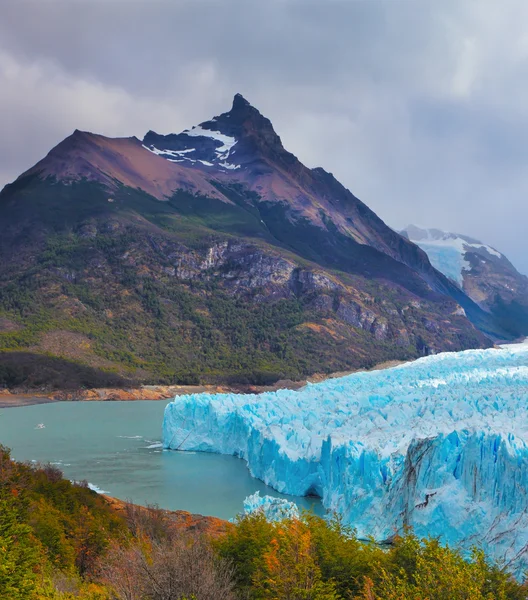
<point x="242" y="147"/>
<point x="128" y="235"/>
<point x="307" y="210"/>
<point x="439" y="444"/>
<point x="448" y="252"/>
<point x="484" y="273"/>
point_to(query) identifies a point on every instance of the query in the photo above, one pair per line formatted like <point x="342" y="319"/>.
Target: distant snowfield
<point x="448" y="256"/>
<point x="447" y="251"/>
<point x="439" y="444"/>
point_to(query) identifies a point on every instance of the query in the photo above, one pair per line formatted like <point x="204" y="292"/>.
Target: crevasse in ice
<point x="439" y="444"/>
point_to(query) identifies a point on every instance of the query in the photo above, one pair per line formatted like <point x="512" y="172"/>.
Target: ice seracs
<point x="439" y="444"/>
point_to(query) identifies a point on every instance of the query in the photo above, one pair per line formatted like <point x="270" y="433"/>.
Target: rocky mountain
<point x="212" y="255"/>
<point x="482" y="272"/>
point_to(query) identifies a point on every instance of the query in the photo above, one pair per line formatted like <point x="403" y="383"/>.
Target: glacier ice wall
<point x="439" y="444"/>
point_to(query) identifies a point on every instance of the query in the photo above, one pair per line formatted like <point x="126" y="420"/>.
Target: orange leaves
<point x="289" y="567"/>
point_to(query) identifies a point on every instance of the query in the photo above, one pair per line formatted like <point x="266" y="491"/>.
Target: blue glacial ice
<point x="439" y="444"/>
<point x="274" y="509"/>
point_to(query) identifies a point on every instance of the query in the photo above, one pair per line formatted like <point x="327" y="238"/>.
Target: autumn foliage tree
<point x="180" y="568"/>
<point x="50" y="529"/>
<point x="290" y="569"/>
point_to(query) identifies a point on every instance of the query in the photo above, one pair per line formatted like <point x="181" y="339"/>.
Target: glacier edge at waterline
<point x="439" y="444"/>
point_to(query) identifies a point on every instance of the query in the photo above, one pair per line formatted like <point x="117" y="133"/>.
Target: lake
<point x="116" y="447"/>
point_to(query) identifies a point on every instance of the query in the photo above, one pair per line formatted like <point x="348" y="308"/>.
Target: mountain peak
<point x="481" y="271"/>
<point x="245" y="115"/>
<point x="211" y="144"/>
<point x="240" y="102"/>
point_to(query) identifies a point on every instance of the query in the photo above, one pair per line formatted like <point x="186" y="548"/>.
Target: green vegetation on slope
<point x="137" y="322"/>
<point x="52" y="533"/>
<point x="123" y="289"/>
<point x="161" y="331"/>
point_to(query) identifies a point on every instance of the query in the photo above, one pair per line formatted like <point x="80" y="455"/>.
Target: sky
<point x="419" y="107"/>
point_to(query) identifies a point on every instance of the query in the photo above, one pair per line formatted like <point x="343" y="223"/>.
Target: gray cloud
<point x="420" y="108"/>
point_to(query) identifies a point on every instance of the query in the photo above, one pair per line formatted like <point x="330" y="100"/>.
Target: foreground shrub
<point x="178" y="568"/>
<point x="19" y="553"/>
<point x="51" y="532"/>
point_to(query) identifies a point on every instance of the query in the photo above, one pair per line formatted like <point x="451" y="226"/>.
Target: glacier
<point x="438" y="444"/>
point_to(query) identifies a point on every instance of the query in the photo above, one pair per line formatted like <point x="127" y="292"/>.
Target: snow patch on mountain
<point x="440" y="444"/>
<point x="448" y="256"/>
<point x="221" y="153"/>
<point x="227" y="165"/>
<point x="448" y="251"/>
<point x="176" y="156"/>
<point x="227" y="141"/>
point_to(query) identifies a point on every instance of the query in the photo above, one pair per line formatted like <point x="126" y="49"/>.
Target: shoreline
<point x="179" y="520"/>
<point x="16" y="399"/>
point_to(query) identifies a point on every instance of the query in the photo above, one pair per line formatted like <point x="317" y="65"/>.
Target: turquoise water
<point x="116" y="447"/>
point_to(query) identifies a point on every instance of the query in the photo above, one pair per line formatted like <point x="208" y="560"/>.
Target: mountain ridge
<point x="108" y="160"/>
<point x="303" y="193"/>
<point x="210" y="255"/>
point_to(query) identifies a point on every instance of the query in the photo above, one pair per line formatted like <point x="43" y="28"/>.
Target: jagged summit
<point x="244" y="117"/>
<point x="239" y="102"/>
<point x="211" y="144"/>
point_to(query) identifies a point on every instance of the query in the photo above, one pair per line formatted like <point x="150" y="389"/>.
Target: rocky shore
<point x="11" y="398"/>
<point x="22" y="397"/>
<point x="179" y="520"/>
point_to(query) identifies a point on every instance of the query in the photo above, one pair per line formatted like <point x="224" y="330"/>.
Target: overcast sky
<point x="420" y="107"/>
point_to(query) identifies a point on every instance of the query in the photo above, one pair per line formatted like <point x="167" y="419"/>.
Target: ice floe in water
<point x="91" y="486"/>
<point x="439" y="444"/>
<point x="97" y="489"/>
<point x="274" y="509"/>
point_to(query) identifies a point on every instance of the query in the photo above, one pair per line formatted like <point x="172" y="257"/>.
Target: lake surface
<point x="116" y="447"/>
